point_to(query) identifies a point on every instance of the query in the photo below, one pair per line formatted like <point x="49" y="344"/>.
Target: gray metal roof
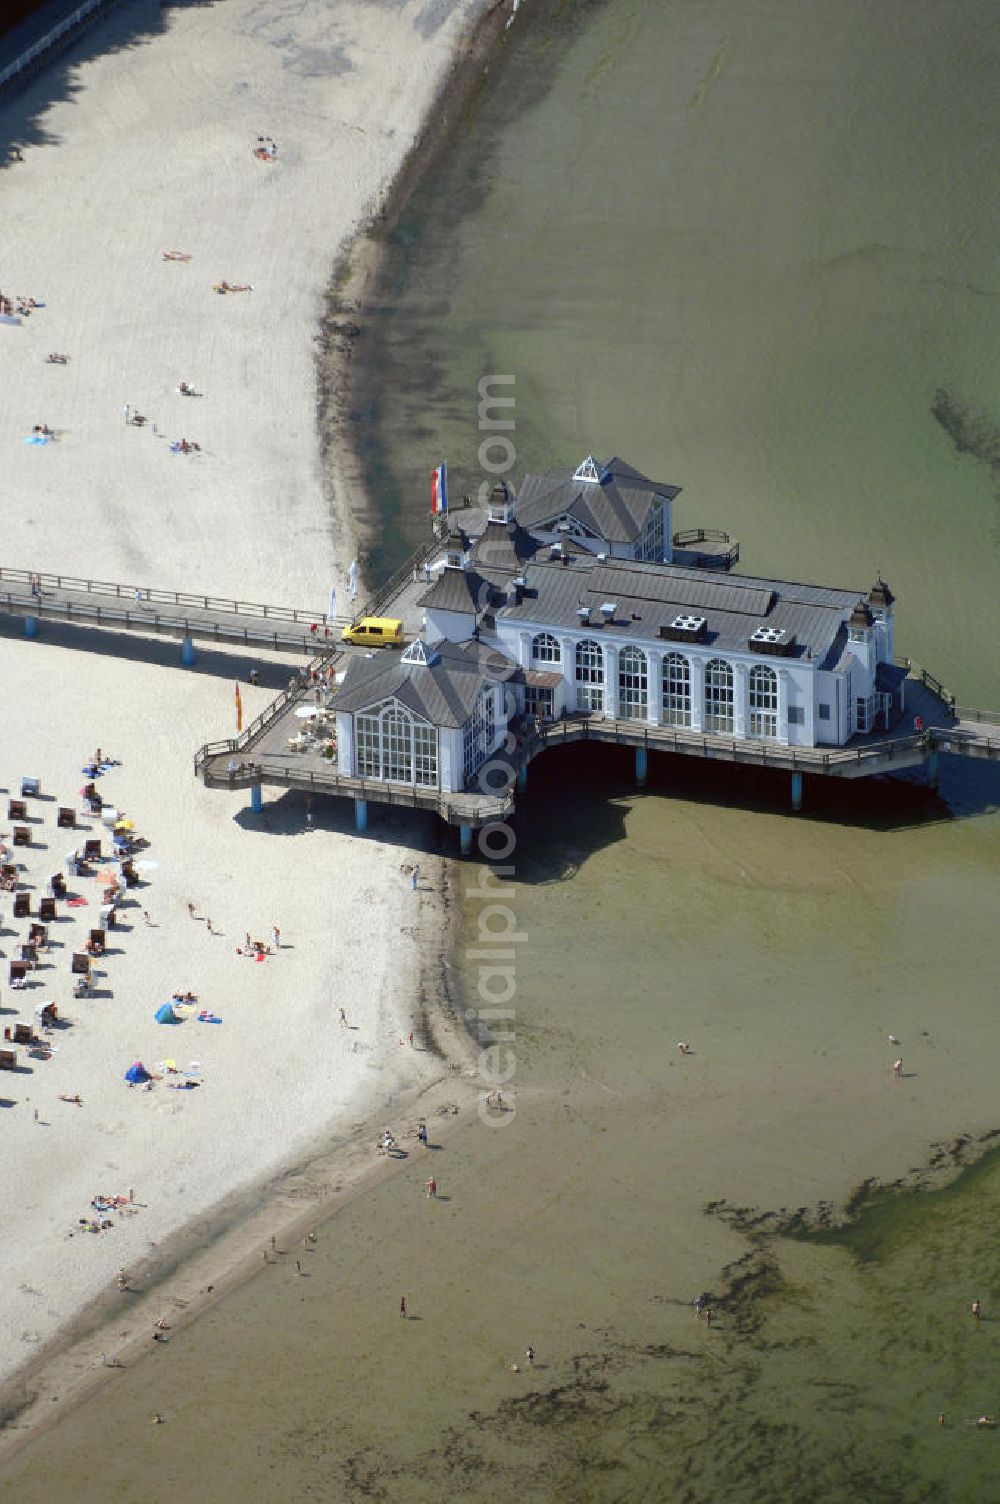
<point x="615" y="508"/>
<point x="648" y="596"/>
<point x="444" y="692"/>
<point x="502" y="547"/>
<point x="458" y="590"/>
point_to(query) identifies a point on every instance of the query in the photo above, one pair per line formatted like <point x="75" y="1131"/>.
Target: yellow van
<point x="375" y="632"/>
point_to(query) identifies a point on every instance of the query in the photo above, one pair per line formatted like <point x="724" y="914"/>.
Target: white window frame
<point x="720" y="697"/>
<point x="633" y="684"/>
<point x="589" y="661"/>
<point x="545" y="648"/>
<point x="676" y="690"/>
<point x="394" y="745"/>
<point x="763" y="703"/>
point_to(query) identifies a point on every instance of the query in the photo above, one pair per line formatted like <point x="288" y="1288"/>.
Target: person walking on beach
<point x="191" y="910"/>
<point x="415" y="877"/>
<point x="529" y="1353"/>
<point x="402" y="1307"/>
<point x="343" y="1019"/>
<point x="897" y="1068"/>
<point x="977" y="1310"/>
<point x="121" y="1279"/>
<point x="431" y="1188"/>
<point x="422" y="1134"/>
<point x="276" y="937"/>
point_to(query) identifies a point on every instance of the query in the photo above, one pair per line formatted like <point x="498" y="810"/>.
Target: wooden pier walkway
<point x="261" y="754"/>
<point x="161" y="613"/>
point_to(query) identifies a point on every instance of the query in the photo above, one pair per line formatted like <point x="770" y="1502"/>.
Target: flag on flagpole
<point x="331" y="609"/>
<point x="439" y="489"/>
<point x="239" y="710"/>
<point x="352" y="579"/>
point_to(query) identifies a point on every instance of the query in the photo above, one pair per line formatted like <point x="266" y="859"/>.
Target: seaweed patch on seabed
<point x="972" y="433"/>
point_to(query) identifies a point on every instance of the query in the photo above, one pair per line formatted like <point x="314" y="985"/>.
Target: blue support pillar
<point x="522" y="776"/>
<point x="256" y="798"/>
<point x="465" y="839"/>
<point x="361" y="815"/>
<point x="31" y="626"/>
<point x="641" y="765"/>
<point x="932" y="769"/>
<point x="796" y="791"/>
<point x="187" y="653"/>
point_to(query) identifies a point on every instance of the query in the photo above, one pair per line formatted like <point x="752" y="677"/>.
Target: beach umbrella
<point x="106" y="875"/>
<point x="124" y="825"/>
<point x="166" y="1014"/>
<point x="137" y="1072"/>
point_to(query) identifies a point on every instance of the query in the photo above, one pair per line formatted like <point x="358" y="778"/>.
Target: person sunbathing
<point x="76" y="1100"/>
<point x="176" y="255"/>
<point x="58" y="360"/>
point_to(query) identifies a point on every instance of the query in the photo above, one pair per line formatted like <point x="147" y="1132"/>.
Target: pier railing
<point x="474" y="810"/>
<point x="405" y="573"/>
<point x="144" y="595"/>
<point x="60" y="36"/>
<point x="295" y="691"/>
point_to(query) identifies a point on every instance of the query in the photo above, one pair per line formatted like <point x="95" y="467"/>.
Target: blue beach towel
<point x="35" y="438"/>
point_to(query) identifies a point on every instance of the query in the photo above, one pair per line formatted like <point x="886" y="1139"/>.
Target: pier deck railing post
<point x="641" y="765"/>
<point x="31" y="626"/>
<point x="796" y="791"/>
<point x="361" y="815"/>
<point x="187" y="652"/>
<point x="465" y="839"/>
<point x="256" y="798"/>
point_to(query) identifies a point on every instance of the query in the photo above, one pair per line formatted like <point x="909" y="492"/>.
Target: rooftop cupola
<point x="861" y="619"/>
<point x="880" y="597"/>
<point x="501" y="507"/>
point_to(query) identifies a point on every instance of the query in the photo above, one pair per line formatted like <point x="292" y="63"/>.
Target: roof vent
<point x="555" y="551"/>
<point x="608" y="610"/>
<point x="772" y="640"/>
<point x="685" y="628"/>
<point x="602" y="557"/>
<point x="584" y="615"/>
<point x="562" y="527"/>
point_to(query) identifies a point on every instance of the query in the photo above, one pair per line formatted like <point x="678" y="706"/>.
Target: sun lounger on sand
<point x="91" y="851"/>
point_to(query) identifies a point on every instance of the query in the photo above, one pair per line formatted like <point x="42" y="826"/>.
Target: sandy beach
<point x="143" y="142"/>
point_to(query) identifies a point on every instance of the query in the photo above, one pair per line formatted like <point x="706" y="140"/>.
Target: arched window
<point x="718" y="695"/>
<point x="632" y="684"/>
<point x="392" y="744"/>
<point x="545" y="649"/>
<point x="763" y="701"/>
<point x="589" y="675"/>
<point x="676" y="690"/>
<point x="479" y="732"/>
